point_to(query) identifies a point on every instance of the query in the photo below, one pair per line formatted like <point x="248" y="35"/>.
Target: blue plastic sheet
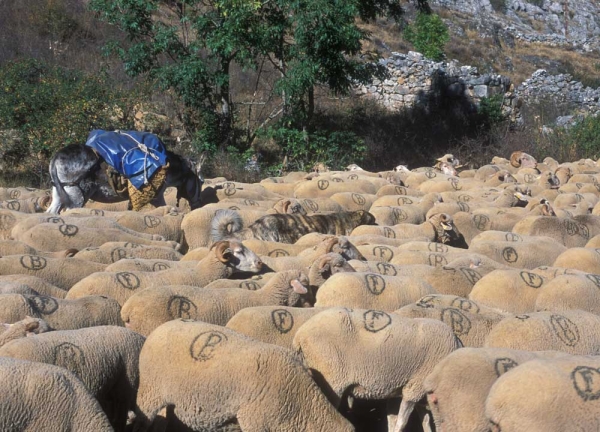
<point x="136" y="155"/>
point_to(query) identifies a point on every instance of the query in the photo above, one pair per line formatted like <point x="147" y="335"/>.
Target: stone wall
<point x="414" y="80"/>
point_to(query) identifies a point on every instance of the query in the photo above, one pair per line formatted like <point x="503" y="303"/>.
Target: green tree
<point x="428" y="34"/>
<point x="190" y="46"/>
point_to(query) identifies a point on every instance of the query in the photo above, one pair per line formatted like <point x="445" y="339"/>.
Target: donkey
<point x="77" y="176"/>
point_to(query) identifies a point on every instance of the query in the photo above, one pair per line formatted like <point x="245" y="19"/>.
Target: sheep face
<point x="364" y="218"/>
<point x="449" y="159"/>
<point x="447" y="169"/>
<point x="333" y="263"/>
<point x="234" y="254"/>
<point x="521" y="159"/>
<point x="506" y="177"/>
<point x="445" y="230"/>
<point x="402" y="168"/>
<point x="346" y="249"/>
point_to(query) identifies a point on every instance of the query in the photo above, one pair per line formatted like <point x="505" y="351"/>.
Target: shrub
<point x="490" y="110"/>
<point x="303" y="149"/>
<point x="50" y="107"/>
<point x="428" y="34"/>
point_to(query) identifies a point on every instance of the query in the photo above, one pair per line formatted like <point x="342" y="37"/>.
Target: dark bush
<point x="50" y="107"/>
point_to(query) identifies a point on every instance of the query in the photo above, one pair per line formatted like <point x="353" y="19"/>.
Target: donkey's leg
<point x="55" y="205"/>
<point x="76" y="195"/>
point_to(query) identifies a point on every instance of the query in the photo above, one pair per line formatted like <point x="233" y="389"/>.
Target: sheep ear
<point x="286" y="205"/>
<point x="70" y="253"/>
<point x="325" y="265"/>
<point x="298" y="287"/>
<point x="32" y="326"/>
<point x="223" y="252"/>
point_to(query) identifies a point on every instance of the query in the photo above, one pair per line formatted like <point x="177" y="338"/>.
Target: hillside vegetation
<point x="237" y="79"/>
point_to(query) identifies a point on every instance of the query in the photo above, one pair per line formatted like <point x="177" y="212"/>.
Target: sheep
<point x="167" y="226"/>
<point x="286" y="228"/>
<point x="271" y="324"/>
<point x="436" y="259"/>
<point x="22" y="192"/>
<point x="30" y="399"/>
<point x="523" y="255"/>
<point x="146" y="310"/>
<point x="15" y="247"/>
<point x="352" y="201"/>
<point x="98" y="222"/>
<point x="197" y="254"/>
<point x="456" y="278"/>
<point x="268" y="388"/>
<point x="569" y="232"/>
<point x="62" y="272"/>
<point x="23" y="284"/>
<point x="369" y="354"/>
<point x="253" y="283"/>
<point x="521" y="159"/>
<point x="112" y="252"/>
<point x="55" y="237"/>
<point x="326" y="186"/>
<point x="104" y="358"/>
<point x="584" y="259"/>
<point x="8" y="220"/>
<point x="439" y="228"/>
<point x="60" y="314"/>
<point x="148" y="265"/>
<point x="308" y="205"/>
<point x="273" y="249"/>
<point x="513" y="291"/>
<point x="573" y="331"/>
<point x="549" y="395"/>
<point x="473" y="371"/>
<point x="250" y="191"/>
<point x="24" y="328"/>
<point x="470" y="322"/>
<point x="37" y="204"/>
<point x="225" y="259"/>
<point x="371" y="291"/>
<point x="395" y="189"/>
<point x="568" y="292"/>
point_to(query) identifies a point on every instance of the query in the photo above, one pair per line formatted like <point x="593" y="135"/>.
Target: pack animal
<point x="77" y="176"/>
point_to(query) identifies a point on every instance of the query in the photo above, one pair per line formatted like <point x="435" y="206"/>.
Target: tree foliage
<point x="428" y="34"/>
<point x="189" y="46"/>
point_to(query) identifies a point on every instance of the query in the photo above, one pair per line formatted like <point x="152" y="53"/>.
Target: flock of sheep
<point x="407" y="300"/>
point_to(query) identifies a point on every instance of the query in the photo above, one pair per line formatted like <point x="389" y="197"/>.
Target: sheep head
<point x="563" y="174"/>
<point x="446" y="168"/>
<point x="342" y="246"/>
<point x="331" y="264"/>
<point x="234" y="254"/>
<point x="546" y="208"/>
<point x="505" y="177"/>
<point x="449" y="159"/>
<point x="521" y="159"/>
<point x="292" y="207"/>
<point x="363" y="217"/>
<point x="353" y="167"/>
<point x="445" y="230"/>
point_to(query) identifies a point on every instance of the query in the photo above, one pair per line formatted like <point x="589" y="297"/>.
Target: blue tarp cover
<point x="122" y="150"/>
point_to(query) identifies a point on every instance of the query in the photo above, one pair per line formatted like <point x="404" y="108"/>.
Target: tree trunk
<point x="226" y="108"/>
